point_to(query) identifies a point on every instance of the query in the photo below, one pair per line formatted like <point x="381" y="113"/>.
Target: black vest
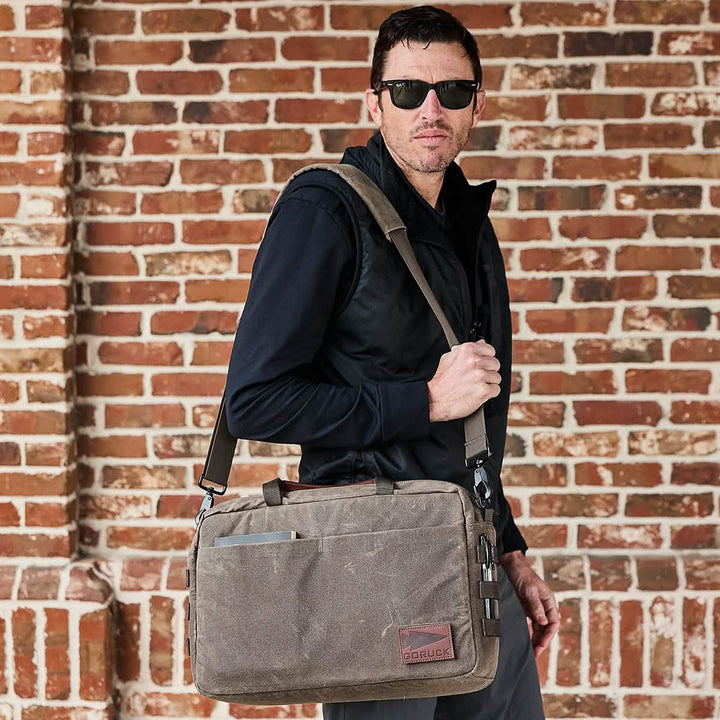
<point x="386" y="332"/>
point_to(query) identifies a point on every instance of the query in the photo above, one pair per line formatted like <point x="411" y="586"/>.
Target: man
<point x="337" y="349"/>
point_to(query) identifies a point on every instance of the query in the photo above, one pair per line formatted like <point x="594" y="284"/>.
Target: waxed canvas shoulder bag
<point x="370" y="591"/>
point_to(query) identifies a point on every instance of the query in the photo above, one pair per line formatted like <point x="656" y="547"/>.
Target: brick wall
<point x="182" y="121"/>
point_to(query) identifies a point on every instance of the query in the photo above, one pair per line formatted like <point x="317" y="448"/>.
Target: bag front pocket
<point x="320" y="612"/>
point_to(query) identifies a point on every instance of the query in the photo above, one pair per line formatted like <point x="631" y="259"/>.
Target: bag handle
<point x="274" y="489"/>
<point x="222" y="444"/>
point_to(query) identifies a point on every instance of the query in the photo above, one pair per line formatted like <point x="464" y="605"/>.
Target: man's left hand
<point x="535" y="596"/>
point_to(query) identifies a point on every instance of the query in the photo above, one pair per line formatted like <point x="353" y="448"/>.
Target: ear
<point x="479" y="106"/>
<point x="372" y="101"/>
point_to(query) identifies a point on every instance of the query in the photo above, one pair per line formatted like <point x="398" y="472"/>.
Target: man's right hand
<point x="466" y="378"/>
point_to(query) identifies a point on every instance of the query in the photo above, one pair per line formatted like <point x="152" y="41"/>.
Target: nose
<point x="431" y="106"/>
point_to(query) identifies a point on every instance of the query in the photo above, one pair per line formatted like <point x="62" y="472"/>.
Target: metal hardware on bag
<point x="187" y="577"/>
<point x="482" y="490"/>
<point x="206" y="504"/>
<point x="489" y="573"/>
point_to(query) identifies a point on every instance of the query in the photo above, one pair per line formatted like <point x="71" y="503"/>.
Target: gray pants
<point x="513" y="695"/>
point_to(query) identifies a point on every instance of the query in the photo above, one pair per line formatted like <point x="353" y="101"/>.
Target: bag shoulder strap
<point x="222" y="443"/>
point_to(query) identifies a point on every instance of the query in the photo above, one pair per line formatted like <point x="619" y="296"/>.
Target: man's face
<point x="428" y="138"/>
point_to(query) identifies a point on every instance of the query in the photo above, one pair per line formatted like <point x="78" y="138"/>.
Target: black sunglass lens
<point x="408" y="95"/>
<point x="455" y="96"/>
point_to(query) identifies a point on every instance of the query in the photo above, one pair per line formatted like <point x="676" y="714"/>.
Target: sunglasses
<point x="411" y="94"/>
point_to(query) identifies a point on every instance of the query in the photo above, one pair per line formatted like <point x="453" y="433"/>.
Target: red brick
<point x="369" y="17"/>
<point x="267" y="141"/>
<point x="669" y="505"/>
<point x="582" y="382"/>
<point x="222" y="172"/>
<point x="235" y="50"/>
<point x="345" y="79"/>
<point x="157" y="52"/>
<point x="619" y="288"/>
<point x="689" y="43"/>
<point x="510" y="107"/>
<point x="711" y="135"/>
<point x="222" y="231"/>
<point x="695" y="474"/>
<point x="668" y="381"/>
<point x="109" y="385"/>
<point x="573" y="137"/>
<point x="116" y="507"/>
<point x="103" y="22"/>
<point x="161" y="640"/>
<point x="91" y="322"/>
<point x="599" y="444"/>
<point x="44" y="112"/>
<point x="7" y="22"/>
<point x="693" y="286"/>
<point x="609" y="412"/>
<point x="45" y="391"/>
<point x="325" y="48"/>
<point x="127" y="641"/>
<point x="132" y="113"/>
<point x="59" y="454"/>
<point x="558" y="198"/>
<point x="57" y="660"/>
<point x="568" y="640"/>
<point x="44" y="266"/>
<point x="24" y="638"/>
<point x="699" y="226"/>
<point x="10" y="82"/>
<point x="9" y="391"/>
<point x="133" y="173"/>
<point x="9" y="203"/>
<point x="211" y="353"/>
<point x="203" y="263"/>
<point x="136" y="353"/>
<point x="522" y="229"/>
<point x="179" y="20"/>
<point x="549" y="14"/>
<point x="649" y="74"/>
<point x="634" y="135"/>
<point x="221" y="291"/>
<point x="114" y="446"/>
<point x="174" y="203"/>
<point x="685" y="103"/>
<point x="530" y="77"/>
<point x="654" y="318"/>
<point x="607" y="168"/>
<point x="542" y="290"/>
<point x="138" y="292"/>
<point x="619" y="536"/>
<point x="143" y="478"/>
<point x="98" y="264"/>
<point x="601" y="642"/>
<point x="695" y="642"/>
<point x="32" y="49"/>
<point x="607" y="43"/>
<point x="47" y="143"/>
<point x="281" y="19"/>
<point x="144" y="416"/>
<point x="649" y="12"/>
<point x="26" y="422"/>
<point x="299" y="110"/>
<point x="49" y="514"/>
<point x="652" y="197"/>
<point x="32" y="172"/>
<point x="537" y="351"/>
<point x="95" y="655"/>
<point x="695" y="349"/>
<point x="149" y="538"/>
<point x="29" y="360"/>
<point x="101" y="82"/>
<point x="187" y="384"/>
<point x="657" y="574"/>
<point x="283" y="168"/>
<point x="573" y="505"/>
<point x="176" y="82"/>
<point x="274" y="80"/>
<point x="695" y="412"/>
<point x="545" y="536"/>
<point x="523" y="168"/>
<point x="570" y="321"/>
<point x="198" y="322"/>
<point x="597" y="106"/>
<point x="254" y="200"/>
<point x="602" y="227"/>
<point x="49" y="326"/>
<point x="671" y="442"/>
<point x="631" y="643"/>
<point x="151" y="142"/>
<point x="618" y="474"/>
<point x="658" y="258"/>
<point x="703" y="166"/>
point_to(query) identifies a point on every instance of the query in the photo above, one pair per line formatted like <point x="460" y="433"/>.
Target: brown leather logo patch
<point x="426" y="643"/>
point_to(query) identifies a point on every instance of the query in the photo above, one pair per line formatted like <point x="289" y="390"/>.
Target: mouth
<point x="431" y="135"/>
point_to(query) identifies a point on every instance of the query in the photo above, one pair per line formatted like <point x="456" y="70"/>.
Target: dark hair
<point x="423" y="24"/>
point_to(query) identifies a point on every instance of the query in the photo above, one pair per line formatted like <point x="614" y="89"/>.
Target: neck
<point x="428" y="184"/>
